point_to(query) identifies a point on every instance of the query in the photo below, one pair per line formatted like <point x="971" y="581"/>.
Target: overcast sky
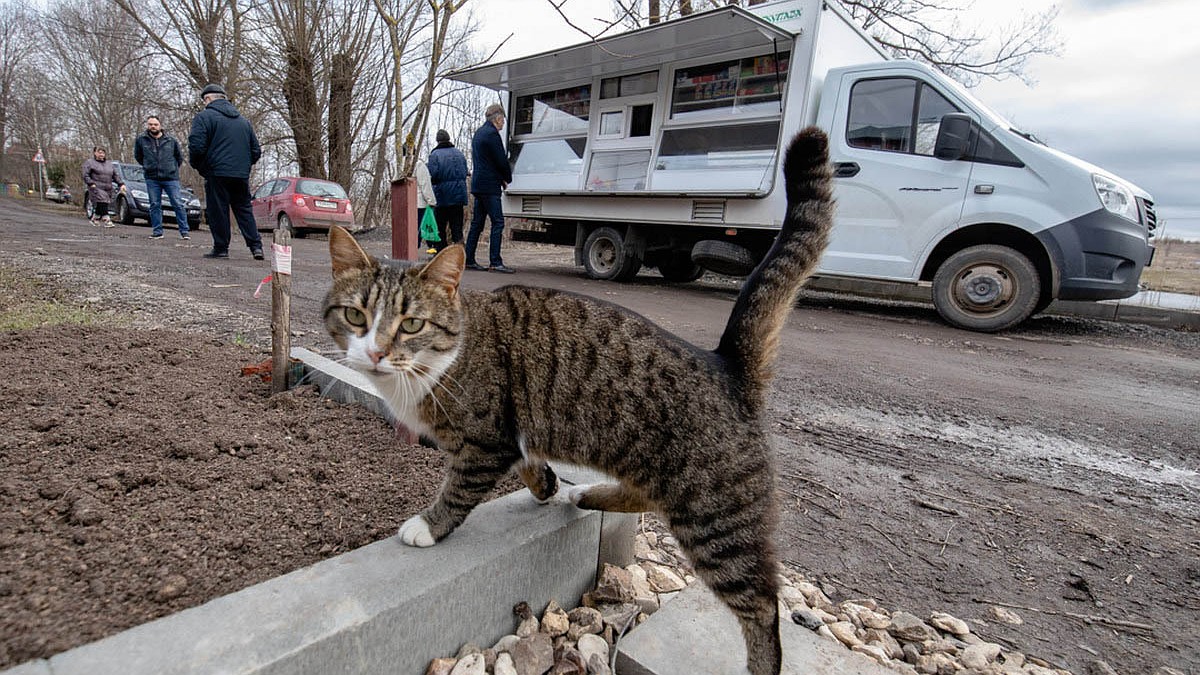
<point x="1123" y="94"/>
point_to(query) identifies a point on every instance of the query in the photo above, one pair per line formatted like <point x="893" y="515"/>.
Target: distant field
<point x="1176" y="267"/>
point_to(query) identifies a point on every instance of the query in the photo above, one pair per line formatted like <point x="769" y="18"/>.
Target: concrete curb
<point x="695" y="633"/>
<point x="382" y="608"/>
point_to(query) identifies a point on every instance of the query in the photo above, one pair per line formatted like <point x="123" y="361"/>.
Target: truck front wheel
<point x="986" y="288"/>
<point x="606" y="256"/>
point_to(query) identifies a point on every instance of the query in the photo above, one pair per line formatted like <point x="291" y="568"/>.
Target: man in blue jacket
<point x="448" y="173"/>
<point x="492" y="174"/>
<point x="159" y="154"/>
<point x="223" y="147"/>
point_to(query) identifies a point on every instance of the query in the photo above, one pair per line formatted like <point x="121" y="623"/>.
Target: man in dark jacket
<point x="223" y="147"/>
<point x="448" y="173"/>
<point x="159" y="154"/>
<point x="492" y="175"/>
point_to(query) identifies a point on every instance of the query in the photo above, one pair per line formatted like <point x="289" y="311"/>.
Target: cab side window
<point x="896" y="114"/>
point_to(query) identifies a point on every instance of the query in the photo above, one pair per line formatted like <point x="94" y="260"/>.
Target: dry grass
<point x="1176" y="267"/>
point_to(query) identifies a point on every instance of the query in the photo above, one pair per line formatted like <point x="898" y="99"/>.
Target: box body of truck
<point x="661" y="148"/>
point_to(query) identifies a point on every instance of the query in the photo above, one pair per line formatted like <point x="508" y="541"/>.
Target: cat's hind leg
<point x="615" y="497"/>
<point x="730" y="549"/>
<point x="472" y="474"/>
<point x="539" y="478"/>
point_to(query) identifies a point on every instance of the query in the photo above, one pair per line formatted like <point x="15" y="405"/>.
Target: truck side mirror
<point x="954" y="137"/>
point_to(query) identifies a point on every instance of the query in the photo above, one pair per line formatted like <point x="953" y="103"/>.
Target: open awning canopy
<point x="713" y="33"/>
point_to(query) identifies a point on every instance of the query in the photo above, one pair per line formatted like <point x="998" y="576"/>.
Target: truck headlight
<point x="1115" y="197"/>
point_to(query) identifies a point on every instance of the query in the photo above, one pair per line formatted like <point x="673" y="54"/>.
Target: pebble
<point x="949" y="624"/>
<point x="1005" y="615"/>
<point x="592" y="644"/>
<point x="506" y="643"/>
<point x="908" y="627"/>
<point x="554" y="620"/>
<point x="504" y="665"/>
<point x="807" y="618"/>
<point x="874" y="651"/>
<point x="584" y="621"/>
<point x="597" y="666"/>
<point x="533" y="655"/>
<point x="844" y="631"/>
<point x="471" y="665"/>
<point x="441" y="666"/>
<point x="663" y="580"/>
<point x="978" y="656"/>
<point x="172" y="587"/>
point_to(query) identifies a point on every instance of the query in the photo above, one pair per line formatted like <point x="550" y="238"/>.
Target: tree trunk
<point x="304" y="114"/>
<point x="654" y="12"/>
<point x="341" y="95"/>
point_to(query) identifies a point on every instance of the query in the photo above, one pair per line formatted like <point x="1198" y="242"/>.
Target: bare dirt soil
<point x="1053" y="470"/>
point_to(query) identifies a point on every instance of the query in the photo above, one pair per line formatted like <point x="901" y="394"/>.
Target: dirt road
<point x="1053" y="470"/>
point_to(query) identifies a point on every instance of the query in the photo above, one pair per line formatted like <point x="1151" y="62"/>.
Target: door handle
<point x="845" y="169"/>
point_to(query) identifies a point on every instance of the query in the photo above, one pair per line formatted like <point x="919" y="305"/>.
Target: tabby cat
<point x="520" y="376"/>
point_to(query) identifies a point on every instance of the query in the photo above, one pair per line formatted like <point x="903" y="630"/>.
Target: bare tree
<point x="931" y="32"/>
<point x="203" y="38"/>
<point x="103" y="70"/>
<point x="16" y="48"/>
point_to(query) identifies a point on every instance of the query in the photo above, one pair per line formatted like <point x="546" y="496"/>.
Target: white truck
<point x="661" y="147"/>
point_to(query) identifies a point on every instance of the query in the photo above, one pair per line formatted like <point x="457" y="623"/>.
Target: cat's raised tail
<point x="751" y="337"/>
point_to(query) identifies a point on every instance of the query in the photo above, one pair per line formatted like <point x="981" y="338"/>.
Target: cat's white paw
<point x="415" y="532"/>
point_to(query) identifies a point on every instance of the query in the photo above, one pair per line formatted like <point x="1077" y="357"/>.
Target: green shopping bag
<point x="429" y="228"/>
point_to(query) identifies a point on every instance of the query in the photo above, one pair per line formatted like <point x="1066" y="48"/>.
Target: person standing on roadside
<point x="492" y="174"/>
<point x="159" y="154"/>
<point x="425" y="198"/>
<point x="222" y="147"/>
<point x="99" y="174"/>
<point x="448" y="173"/>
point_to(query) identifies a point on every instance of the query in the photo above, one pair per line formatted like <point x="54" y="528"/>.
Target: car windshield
<point x="320" y="188"/>
<point x="133" y="172"/>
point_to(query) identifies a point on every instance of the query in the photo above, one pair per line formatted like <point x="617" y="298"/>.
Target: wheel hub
<point x="604" y="254"/>
<point x="984" y="288"/>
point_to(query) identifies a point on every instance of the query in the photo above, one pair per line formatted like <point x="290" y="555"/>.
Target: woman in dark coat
<point x="99" y="174"/>
<point x="448" y="173"/>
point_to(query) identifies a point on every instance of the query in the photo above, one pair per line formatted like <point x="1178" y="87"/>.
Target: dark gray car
<point x="135" y="203"/>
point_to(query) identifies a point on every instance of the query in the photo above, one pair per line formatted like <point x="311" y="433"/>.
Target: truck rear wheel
<point x="606" y="256"/>
<point x="986" y="288"/>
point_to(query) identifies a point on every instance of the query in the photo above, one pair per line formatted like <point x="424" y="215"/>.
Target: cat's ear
<point x="345" y="253"/>
<point x="446" y="269"/>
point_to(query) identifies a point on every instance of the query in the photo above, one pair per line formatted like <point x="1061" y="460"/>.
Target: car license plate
<point x="324" y="204"/>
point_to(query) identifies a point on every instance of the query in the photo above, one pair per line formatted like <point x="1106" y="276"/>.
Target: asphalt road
<point x="1054" y="468"/>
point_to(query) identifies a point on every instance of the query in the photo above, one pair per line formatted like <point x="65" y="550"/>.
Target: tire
<point x="724" y="257"/>
<point x="677" y="266"/>
<point x="123" y="215"/>
<point x="606" y="257"/>
<point x="986" y="288"/>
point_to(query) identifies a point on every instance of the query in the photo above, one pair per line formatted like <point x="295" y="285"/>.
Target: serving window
<point x="747" y="85"/>
<point x="559" y="111"/>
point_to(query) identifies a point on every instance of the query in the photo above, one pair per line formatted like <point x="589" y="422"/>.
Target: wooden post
<point x="404" y="219"/>
<point x="281" y="309"/>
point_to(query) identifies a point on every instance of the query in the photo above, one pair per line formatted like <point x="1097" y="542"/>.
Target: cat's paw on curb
<point x="415" y="532"/>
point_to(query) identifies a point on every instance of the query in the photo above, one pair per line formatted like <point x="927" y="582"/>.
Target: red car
<point x="302" y="204"/>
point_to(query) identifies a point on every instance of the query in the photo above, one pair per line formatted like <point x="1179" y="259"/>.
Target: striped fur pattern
<point x="519" y="376"/>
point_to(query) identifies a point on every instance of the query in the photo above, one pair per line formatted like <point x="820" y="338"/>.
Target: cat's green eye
<point x="354" y="317"/>
<point x="411" y="326"/>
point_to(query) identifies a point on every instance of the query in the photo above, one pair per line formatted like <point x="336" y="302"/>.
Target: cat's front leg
<point x="540" y="479"/>
<point x="472" y="474"/>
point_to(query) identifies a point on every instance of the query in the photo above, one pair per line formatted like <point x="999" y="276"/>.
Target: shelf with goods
<point x="725" y="85"/>
<point x="560" y="110"/>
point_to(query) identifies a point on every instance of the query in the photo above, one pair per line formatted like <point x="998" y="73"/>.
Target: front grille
<point x="531" y="204"/>
<point x="1148" y="216"/>
<point x="708" y="210"/>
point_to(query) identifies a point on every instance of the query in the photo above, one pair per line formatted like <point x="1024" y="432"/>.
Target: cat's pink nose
<point x="375" y="355"/>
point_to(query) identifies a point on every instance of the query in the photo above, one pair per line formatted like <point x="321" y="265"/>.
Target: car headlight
<point x="139" y="194"/>
<point x="1115" y="197"/>
<point x="194" y="203"/>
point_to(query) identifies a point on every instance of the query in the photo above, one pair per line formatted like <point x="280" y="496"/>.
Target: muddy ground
<point x="1052" y="470"/>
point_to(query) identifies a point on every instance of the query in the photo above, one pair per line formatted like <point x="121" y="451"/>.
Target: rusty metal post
<point x="404" y="219"/>
<point x="281" y="309"/>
